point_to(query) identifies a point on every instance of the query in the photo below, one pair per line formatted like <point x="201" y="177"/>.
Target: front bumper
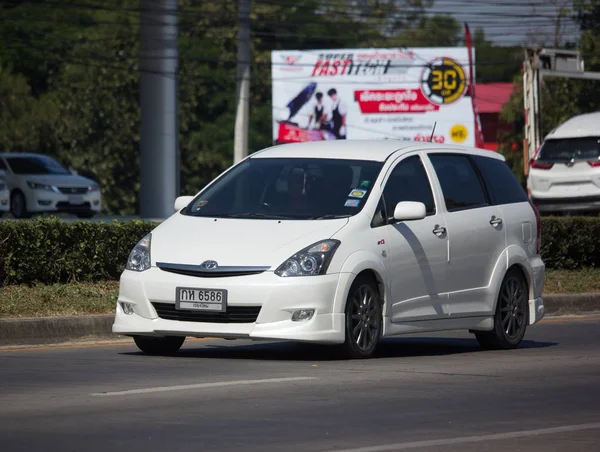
<point x="48" y="201"/>
<point x="278" y="298"/>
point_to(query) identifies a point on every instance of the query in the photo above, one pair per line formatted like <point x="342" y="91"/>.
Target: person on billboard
<point x="318" y="113"/>
<point x="339" y="111"/>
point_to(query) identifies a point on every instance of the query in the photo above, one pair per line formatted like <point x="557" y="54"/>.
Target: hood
<point x="190" y="240"/>
<point x="60" y="180"/>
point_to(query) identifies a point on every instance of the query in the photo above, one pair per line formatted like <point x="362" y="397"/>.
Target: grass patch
<point x="586" y="280"/>
<point x="100" y="297"/>
<point x="58" y="299"/>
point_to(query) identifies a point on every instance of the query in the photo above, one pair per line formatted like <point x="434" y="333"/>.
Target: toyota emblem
<point x="209" y="265"/>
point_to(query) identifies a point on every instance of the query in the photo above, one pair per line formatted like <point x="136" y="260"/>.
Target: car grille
<point x="234" y="314"/>
<point x="73" y="190"/>
<point x="66" y="207"/>
<point x="220" y="272"/>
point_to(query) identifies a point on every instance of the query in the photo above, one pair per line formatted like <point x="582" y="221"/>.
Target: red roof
<point x="491" y="97"/>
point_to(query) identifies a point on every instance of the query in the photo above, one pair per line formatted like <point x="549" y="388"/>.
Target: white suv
<point x="38" y="183"/>
<point x="341" y="242"/>
<point x="564" y="174"/>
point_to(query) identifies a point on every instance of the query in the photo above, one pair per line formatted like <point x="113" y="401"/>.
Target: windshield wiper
<point x="329" y="217"/>
<point x="266" y="216"/>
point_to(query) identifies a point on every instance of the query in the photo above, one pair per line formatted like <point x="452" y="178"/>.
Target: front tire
<point x="164" y="346"/>
<point x="18" y="205"/>
<point x="363" y="319"/>
<point x="511" y="317"/>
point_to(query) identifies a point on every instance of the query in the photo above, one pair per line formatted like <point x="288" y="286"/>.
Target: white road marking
<point x="201" y="386"/>
<point x="474" y="439"/>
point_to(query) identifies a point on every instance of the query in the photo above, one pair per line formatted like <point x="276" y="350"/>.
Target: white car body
<point x="427" y="282"/>
<point x="4" y="196"/>
<point x="51" y="192"/>
<point x="564" y="175"/>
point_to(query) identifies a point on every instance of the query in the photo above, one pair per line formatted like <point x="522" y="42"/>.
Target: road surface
<point x="434" y="392"/>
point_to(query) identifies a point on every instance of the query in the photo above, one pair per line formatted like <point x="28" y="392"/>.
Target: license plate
<point x="75" y="199"/>
<point x="192" y="299"/>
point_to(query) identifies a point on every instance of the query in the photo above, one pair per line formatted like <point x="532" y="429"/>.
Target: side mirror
<point x="409" y="210"/>
<point x="182" y="201"/>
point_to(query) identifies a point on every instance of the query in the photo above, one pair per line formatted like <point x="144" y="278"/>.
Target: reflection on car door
<point x="476" y="232"/>
<point x="418" y="258"/>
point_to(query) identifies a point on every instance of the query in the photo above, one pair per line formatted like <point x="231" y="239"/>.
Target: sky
<point x="510" y="22"/>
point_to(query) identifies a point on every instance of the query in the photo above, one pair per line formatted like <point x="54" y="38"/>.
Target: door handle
<point x="439" y="230"/>
<point x="496" y="221"/>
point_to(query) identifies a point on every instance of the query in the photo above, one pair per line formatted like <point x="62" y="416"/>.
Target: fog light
<point x="302" y="315"/>
<point x="126" y="307"/>
<point x="44" y="203"/>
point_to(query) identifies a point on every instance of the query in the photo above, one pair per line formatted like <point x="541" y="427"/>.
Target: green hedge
<point x="571" y="242"/>
<point x="50" y="251"/>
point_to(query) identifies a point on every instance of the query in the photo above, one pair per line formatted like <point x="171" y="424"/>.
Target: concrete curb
<point x="587" y="303"/>
<point x="52" y="330"/>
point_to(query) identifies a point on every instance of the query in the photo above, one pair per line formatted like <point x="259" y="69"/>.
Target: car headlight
<point x="36" y="186"/>
<point x="139" y="258"/>
<point x="312" y="260"/>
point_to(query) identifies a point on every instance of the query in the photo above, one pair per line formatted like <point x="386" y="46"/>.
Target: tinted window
<point x="459" y="181"/>
<point x="408" y="182"/>
<point x="2" y="165"/>
<point x="587" y="148"/>
<point x="35" y="165"/>
<point x="502" y="185"/>
<point x="289" y="188"/>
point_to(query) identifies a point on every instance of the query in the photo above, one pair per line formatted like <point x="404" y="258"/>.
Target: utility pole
<point x="159" y="166"/>
<point x="531" y="92"/>
<point x="242" y="115"/>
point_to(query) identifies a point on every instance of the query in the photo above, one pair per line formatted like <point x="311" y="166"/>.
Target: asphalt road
<point x="434" y="392"/>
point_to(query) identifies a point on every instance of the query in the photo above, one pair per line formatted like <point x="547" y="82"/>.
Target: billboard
<point x="373" y="94"/>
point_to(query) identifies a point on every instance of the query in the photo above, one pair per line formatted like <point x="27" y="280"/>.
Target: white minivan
<point x="564" y="175"/>
<point x="341" y="242"/>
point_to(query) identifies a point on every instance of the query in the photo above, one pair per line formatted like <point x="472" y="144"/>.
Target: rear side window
<point x="502" y="185"/>
<point x="459" y="180"/>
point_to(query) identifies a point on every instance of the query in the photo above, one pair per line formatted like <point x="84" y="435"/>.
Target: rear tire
<point x="168" y="345"/>
<point x="18" y="205"/>
<point x="363" y="319"/>
<point x="511" y="317"/>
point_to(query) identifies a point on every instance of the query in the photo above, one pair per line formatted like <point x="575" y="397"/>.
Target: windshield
<point x="289" y="188"/>
<point x="35" y="165"/>
<point x="587" y="148"/>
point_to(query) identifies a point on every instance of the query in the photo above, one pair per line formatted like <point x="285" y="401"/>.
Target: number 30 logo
<point x="443" y="81"/>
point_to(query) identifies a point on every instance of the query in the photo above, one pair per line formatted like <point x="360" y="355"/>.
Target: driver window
<point x="408" y="182"/>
